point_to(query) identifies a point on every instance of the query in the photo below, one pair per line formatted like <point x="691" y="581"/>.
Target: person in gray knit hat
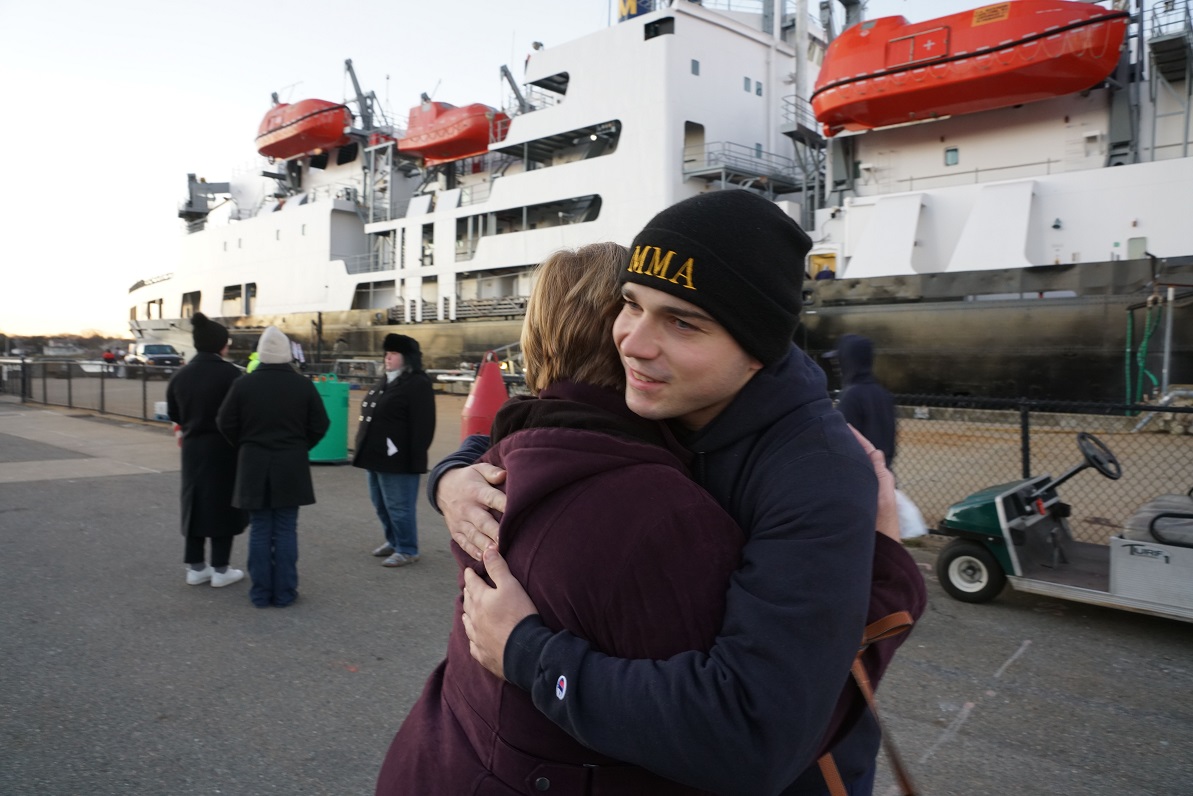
<point x="711" y="302"/>
<point x="274" y="416"/>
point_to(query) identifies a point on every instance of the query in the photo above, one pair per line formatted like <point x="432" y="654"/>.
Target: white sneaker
<point x="194" y="578"/>
<point x="221" y="579"/>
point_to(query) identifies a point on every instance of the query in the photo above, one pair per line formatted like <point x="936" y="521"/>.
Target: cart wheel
<point x="969" y="572"/>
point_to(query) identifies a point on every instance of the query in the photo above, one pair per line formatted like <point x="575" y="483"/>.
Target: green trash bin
<point x="333" y="448"/>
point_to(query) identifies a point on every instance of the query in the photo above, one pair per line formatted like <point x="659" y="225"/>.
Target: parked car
<point x="160" y="359"/>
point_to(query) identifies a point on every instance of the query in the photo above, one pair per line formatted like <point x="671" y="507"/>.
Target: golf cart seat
<point x="1167" y="519"/>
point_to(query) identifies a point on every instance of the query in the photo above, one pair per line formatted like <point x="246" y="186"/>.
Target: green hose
<point x="1127" y="355"/>
<point x="1151" y="322"/>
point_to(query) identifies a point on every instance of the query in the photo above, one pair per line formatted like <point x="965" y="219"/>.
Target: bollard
<point x="487" y="395"/>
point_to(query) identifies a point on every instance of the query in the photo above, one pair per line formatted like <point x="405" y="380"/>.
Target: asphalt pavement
<point x="118" y="678"/>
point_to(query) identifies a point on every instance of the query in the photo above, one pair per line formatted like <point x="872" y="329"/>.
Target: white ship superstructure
<point x="602" y="133"/>
<point x="1031" y="241"/>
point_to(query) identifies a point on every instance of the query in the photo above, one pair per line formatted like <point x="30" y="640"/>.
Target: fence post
<point x="26" y="387"/>
<point x="70" y="384"/>
<point x="145" y="391"/>
<point x="1025" y="437"/>
<point x="103" y="375"/>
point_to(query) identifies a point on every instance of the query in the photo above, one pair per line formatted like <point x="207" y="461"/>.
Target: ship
<point x="996" y="197"/>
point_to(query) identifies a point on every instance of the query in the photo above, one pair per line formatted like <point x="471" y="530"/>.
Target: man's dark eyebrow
<point x="680" y="312"/>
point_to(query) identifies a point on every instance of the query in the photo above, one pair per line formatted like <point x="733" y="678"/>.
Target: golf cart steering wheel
<point x="1098" y="456"/>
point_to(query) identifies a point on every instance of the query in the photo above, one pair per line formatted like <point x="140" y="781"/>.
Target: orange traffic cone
<point x="487" y="395"/>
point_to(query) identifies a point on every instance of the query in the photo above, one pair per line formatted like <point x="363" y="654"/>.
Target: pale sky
<point x="110" y="104"/>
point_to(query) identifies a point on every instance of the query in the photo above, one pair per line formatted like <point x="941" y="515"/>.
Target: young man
<point x="712" y="299"/>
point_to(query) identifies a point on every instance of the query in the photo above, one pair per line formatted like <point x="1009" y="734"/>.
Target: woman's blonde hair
<point x="568" y="331"/>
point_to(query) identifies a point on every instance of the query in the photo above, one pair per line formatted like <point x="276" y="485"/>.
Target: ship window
<point x="659" y="27"/>
<point x="225" y="245"/>
<point x="951" y="156"/>
<point x="374" y="295"/>
<point x="428" y="246"/>
<point x="250" y="297"/>
<point x="758" y="88"/>
<point x="347" y="154"/>
<point x="304" y="230"/>
<point x="277" y="234"/>
<point x="318" y="161"/>
<point x="758" y="150"/>
<point x="746" y="82"/>
<point x="231" y="302"/>
<point x="695" y="67"/>
<point x="190" y="303"/>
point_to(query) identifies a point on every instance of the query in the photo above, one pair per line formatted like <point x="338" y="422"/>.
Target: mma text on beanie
<point x="274" y="347"/>
<point x="207" y="335"/>
<point x="735" y="255"/>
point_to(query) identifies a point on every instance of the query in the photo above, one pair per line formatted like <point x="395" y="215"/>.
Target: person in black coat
<point x="275" y="416"/>
<point x="397" y="424"/>
<point x="193" y="398"/>
<point x="866" y="404"/>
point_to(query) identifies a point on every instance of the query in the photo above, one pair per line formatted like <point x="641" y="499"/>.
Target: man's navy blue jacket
<point x="749" y="715"/>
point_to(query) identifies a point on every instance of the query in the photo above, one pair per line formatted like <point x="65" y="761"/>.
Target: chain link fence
<point x="948" y="447"/>
<point x="128" y="391"/>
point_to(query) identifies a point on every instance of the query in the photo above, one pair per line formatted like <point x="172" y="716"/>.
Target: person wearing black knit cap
<point x="712" y="297"/>
<point x="397" y="424"/>
<point x="193" y="400"/>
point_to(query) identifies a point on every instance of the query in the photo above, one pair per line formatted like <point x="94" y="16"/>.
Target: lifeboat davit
<point x="889" y="71"/>
<point x="440" y="132"/>
<point x="288" y="131"/>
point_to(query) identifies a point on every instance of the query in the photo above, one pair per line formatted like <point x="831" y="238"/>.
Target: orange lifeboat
<point x="288" y="131"/>
<point x="440" y="133"/>
<point x="888" y="71"/>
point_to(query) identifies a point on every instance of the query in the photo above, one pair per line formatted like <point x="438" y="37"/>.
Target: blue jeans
<point x="273" y="556"/>
<point x="395" y="497"/>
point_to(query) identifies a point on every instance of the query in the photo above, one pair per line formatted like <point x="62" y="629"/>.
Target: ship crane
<point x="196" y="208"/>
<point x="364" y="102"/>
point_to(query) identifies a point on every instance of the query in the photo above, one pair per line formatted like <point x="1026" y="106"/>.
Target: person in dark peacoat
<point x="274" y="416"/>
<point x="397" y="424"/>
<point x="193" y="398"/>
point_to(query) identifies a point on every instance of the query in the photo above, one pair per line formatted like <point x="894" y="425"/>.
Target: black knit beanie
<point x="208" y="336"/>
<point x="735" y="255"/>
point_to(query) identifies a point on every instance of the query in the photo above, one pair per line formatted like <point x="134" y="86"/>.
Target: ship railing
<point x="797" y="110"/>
<point x="504" y="306"/>
<point x="1170" y="18"/>
<point x="397" y="313"/>
<point x="537" y="98"/>
<point x="969" y="177"/>
<point x="737" y="157"/>
<point x="475" y="192"/>
<point x="153" y="280"/>
<point x="364" y="263"/>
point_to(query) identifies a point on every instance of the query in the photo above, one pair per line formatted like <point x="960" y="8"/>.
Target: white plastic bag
<point x="911" y="522"/>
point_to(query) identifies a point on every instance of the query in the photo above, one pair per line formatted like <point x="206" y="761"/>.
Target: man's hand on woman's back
<point x="465" y="496"/>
